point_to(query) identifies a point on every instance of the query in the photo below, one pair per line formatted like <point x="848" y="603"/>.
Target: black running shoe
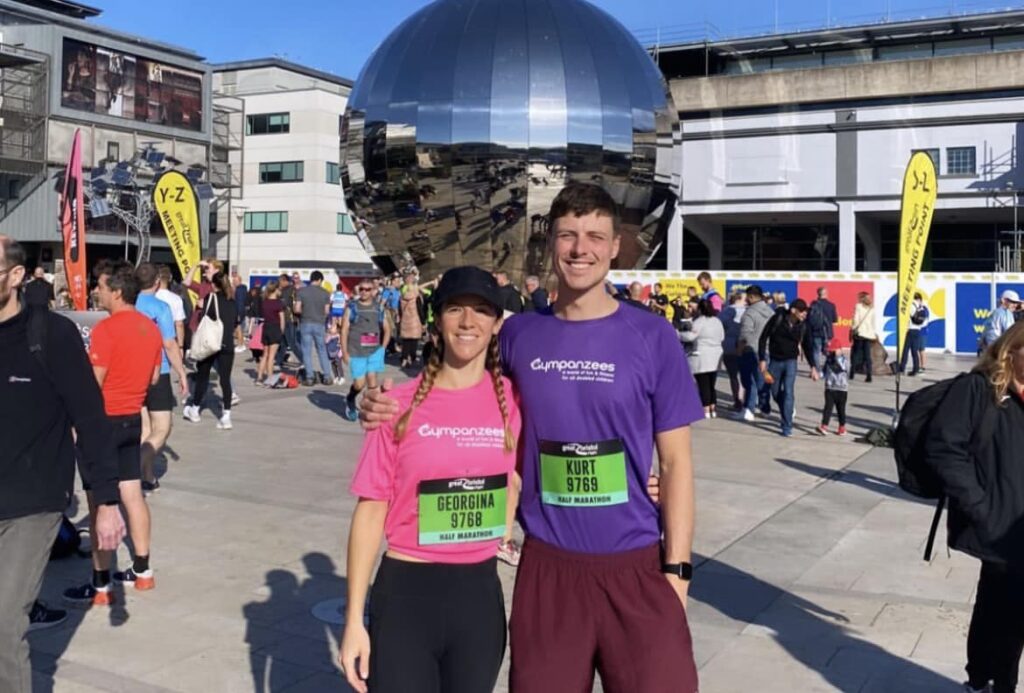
<point x="151" y="486"/>
<point x="42" y="617"/>
<point x="87" y="595"/>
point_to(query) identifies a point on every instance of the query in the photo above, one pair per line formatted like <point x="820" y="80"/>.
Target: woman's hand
<point x="355" y="646"/>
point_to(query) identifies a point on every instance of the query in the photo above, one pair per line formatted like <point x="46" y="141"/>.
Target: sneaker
<point x="821" y="430"/>
<point x="235" y="399"/>
<point x="191" y="413"/>
<point x="509" y="553"/>
<point x="324" y="380"/>
<point x="309" y="382"/>
<point x="707" y="415"/>
<point x="339" y="380"/>
<point x="224" y="423"/>
<point x="787" y="434"/>
<point x="151" y="486"/>
<point x="239" y="349"/>
<point x="748" y="415"/>
<point x="351" y="413"/>
<point x="141" y="581"/>
<point x="841" y="431"/>
<point x="87" y="595"/>
<point x="42" y="617"/>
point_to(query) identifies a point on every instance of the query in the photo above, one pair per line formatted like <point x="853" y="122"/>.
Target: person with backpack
<point x="821" y="319"/>
<point x="913" y="345"/>
<point x="973" y="446"/>
<point x="43" y="361"/>
<point x="837" y="386"/>
<point x="365" y="333"/>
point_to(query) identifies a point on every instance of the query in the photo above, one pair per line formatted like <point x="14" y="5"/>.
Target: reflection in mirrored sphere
<point x="473" y="114"/>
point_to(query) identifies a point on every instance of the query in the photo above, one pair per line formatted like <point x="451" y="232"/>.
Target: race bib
<point x="369" y="340"/>
<point x="583" y="474"/>
<point x="464" y="509"/>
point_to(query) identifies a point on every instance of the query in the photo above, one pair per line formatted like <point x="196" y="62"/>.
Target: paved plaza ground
<point x="809" y="574"/>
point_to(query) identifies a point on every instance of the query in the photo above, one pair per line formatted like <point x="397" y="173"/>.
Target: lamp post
<point x="239" y="212"/>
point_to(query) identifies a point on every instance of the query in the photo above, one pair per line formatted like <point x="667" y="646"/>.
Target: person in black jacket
<point x="782" y="340"/>
<point x="45" y="394"/>
<point x="975" y="443"/>
<point x="512" y="300"/>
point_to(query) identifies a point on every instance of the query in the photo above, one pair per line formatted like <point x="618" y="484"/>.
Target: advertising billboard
<point x="108" y="82"/>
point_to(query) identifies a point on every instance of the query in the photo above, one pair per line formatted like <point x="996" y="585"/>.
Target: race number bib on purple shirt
<point x="616" y="380"/>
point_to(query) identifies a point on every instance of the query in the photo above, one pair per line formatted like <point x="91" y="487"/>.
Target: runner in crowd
<point x="752" y="324"/>
<point x="157" y="412"/>
<point x="599" y="584"/>
<point x="731" y="317"/>
<point x="440" y="484"/>
<point x="863" y="336"/>
<point x="174" y="302"/>
<point x="126" y="351"/>
<point x="364" y="334"/>
<point x="218" y="305"/>
<point x="974" y="444"/>
<point x="709" y="293"/>
<point x="273" y="316"/>
<point x="837" y="387"/>
<point x="312" y="304"/>
<point x="706" y="334"/>
<point x="913" y="345"/>
<point x="37" y="460"/>
<point x="410" y="315"/>
<point x="782" y="341"/>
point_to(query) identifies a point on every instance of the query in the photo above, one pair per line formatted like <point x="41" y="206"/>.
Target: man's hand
<point x="815" y="376"/>
<point x="376" y="407"/>
<point x="109" y="528"/>
<point x="654" y="488"/>
<point x="183" y="384"/>
<point x="680" y="587"/>
<point x="764" y="366"/>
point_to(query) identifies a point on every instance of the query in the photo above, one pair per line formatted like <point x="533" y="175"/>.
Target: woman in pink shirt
<point x="439" y="484"/>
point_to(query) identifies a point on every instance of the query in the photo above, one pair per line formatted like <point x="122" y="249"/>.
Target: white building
<point x="795" y="146"/>
<point x="288" y="211"/>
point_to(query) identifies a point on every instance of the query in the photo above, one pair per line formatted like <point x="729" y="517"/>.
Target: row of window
<point x="277" y="222"/>
<point x="960" y="161"/>
<point x="294" y="172"/>
<point x="268" y="124"/>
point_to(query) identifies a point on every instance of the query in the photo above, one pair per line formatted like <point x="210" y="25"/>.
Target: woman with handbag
<point x="217" y="312"/>
<point x="862" y="335"/>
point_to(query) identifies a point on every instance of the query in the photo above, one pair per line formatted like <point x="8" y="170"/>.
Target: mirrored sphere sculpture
<point x="473" y="114"/>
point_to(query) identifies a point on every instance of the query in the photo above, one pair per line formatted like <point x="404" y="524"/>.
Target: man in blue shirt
<point x="160" y="401"/>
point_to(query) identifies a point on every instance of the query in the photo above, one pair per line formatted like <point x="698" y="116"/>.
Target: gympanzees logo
<point x="577" y="370"/>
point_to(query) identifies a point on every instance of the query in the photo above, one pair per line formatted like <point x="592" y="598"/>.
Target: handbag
<point x="256" y="337"/>
<point x="209" y="336"/>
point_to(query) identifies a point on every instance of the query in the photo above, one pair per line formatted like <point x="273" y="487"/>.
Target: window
<point x="345" y="225"/>
<point x="113" y="151"/>
<point x="281" y="172"/>
<point x="961" y="161"/>
<point x="907" y="52"/>
<point x="936" y="158"/>
<point x="271" y="222"/>
<point x="333" y="174"/>
<point x="267" y="123"/>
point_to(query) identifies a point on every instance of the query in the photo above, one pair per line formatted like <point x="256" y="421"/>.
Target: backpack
<point x="817" y="321"/>
<point x="68" y="541"/>
<point x="919" y="316"/>
<point x="915" y="476"/>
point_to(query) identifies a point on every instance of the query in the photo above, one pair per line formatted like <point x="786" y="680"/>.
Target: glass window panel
<point x="936" y="156"/>
<point x="961" y="161"/>
<point x="858" y="55"/>
<point x="907" y="52"/>
<point x="796" y="62"/>
<point x="273" y="221"/>
<point x="333" y="176"/>
<point x="963" y="46"/>
<point x="1008" y="43"/>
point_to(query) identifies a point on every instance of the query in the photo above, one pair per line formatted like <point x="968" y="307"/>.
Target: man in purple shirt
<point x="605" y="572"/>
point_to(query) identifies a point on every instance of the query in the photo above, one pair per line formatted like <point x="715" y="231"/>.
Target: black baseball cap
<point x="467" y="281"/>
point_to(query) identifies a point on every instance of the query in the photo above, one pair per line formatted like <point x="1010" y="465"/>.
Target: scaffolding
<point x="24" y="76"/>
<point x="228" y="133"/>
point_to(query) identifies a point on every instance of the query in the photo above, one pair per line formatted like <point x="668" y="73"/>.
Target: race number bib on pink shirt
<point x="446" y="481"/>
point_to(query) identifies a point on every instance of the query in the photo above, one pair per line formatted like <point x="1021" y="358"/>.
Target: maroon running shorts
<point x="572" y="612"/>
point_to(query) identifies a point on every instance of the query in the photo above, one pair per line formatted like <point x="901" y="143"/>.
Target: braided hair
<point x="493" y="366"/>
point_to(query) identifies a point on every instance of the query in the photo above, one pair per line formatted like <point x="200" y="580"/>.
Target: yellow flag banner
<point x="919" y="191"/>
<point x="175" y="202"/>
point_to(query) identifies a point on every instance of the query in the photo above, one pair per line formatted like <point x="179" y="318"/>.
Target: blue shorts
<point x="361" y="365"/>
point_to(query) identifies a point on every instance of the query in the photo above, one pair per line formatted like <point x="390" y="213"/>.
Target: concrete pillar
<point x="847" y="237"/>
<point x="869" y="232"/>
<point x="675" y="242"/>
<point x="710" y="234"/>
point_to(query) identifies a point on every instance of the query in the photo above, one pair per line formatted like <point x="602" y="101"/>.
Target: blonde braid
<point x="426" y="384"/>
<point x="494" y="365"/>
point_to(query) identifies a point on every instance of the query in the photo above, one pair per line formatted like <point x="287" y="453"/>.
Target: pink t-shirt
<point x="446" y="481"/>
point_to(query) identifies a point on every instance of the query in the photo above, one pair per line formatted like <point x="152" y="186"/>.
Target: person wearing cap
<point x="439" y="485"/>
<point x="1001" y="319"/>
<point x="365" y="333"/>
<point x="837" y="386"/>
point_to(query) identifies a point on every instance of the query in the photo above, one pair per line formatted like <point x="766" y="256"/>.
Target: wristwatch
<point x="683" y="571"/>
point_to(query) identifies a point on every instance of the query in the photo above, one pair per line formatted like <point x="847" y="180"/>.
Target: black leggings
<point x="860" y="356"/>
<point x="409" y="347"/>
<point x="436" y="628"/>
<point x="706" y="388"/>
<point x="836" y="398"/>
<point x="224" y="359"/>
<point x="996" y="637"/>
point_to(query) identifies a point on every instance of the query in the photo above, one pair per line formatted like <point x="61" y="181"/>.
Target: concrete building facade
<point x="290" y="211"/>
<point x="794" y="146"/>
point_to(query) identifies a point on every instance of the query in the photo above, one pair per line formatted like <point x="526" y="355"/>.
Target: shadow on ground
<point x="846" y="476"/>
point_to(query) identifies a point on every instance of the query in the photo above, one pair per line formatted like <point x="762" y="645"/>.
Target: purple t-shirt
<point x="593" y="395"/>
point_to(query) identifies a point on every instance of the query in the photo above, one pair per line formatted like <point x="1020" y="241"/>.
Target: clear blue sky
<point x="339" y="35"/>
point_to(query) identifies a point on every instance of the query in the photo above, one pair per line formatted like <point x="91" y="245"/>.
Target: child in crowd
<point x="333" y="341"/>
<point x="837" y="386"/>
